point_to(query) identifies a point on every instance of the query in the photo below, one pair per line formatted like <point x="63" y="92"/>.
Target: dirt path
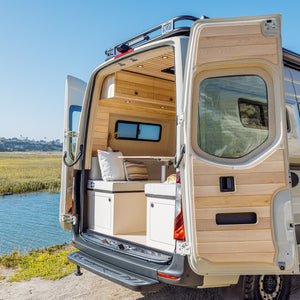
<point x="90" y="286"/>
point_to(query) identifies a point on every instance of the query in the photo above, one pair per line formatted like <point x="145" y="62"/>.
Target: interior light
<point x="127" y="101"/>
<point x="140" y="66"/>
<point x="164" y="57"/>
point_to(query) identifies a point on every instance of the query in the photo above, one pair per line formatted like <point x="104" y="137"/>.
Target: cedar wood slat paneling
<point x="154" y="66"/>
<point x="233" y="235"/>
<point x="246" y="41"/>
<point x="240" y="257"/>
<point x="136" y="95"/>
<point x="141" y="86"/>
<point x="252" y="196"/>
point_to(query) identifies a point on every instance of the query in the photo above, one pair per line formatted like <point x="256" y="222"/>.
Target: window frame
<point x="137" y="131"/>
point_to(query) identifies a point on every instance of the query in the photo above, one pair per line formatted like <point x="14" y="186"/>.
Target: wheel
<point x="267" y="287"/>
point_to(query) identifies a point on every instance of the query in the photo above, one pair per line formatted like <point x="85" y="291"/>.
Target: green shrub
<point x="48" y="263"/>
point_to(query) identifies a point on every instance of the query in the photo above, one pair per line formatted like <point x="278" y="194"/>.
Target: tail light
<point x="163" y="275"/>
<point x="179" y="233"/>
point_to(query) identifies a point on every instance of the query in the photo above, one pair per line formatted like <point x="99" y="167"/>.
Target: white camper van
<point x="182" y="156"/>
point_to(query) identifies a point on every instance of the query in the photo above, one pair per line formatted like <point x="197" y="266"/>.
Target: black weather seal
<point x="75" y="161"/>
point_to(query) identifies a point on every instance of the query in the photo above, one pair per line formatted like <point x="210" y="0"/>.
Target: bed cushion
<point x="160" y="190"/>
<point x="118" y="186"/>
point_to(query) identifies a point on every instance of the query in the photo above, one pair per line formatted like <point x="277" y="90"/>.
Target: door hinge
<point x="180" y="119"/>
<point x="183" y="248"/>
<point x="69" y="219"/>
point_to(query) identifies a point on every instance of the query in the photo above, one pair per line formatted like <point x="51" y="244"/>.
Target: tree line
<point x="24" y="145"/>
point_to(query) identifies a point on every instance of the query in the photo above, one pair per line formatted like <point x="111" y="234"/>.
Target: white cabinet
<point x="160" y="216"/>
<point x="117" y="213"/>
<point x="160" y="222"/>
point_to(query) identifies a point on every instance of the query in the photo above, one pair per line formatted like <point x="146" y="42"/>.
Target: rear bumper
<point x="132" y="272"/>
<point x="113" y="273"/>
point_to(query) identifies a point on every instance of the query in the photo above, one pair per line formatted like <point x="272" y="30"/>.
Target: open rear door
<point x="235" y="177"/>
<point x="74" y="95"/>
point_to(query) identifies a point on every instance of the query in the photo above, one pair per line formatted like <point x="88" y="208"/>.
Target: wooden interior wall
<point x="106" y="113"/>
<point x="254" y="190"/>
<point x="134" y="96"/>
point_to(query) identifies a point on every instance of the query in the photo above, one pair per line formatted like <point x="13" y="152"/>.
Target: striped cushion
<point x="135" y="171"/>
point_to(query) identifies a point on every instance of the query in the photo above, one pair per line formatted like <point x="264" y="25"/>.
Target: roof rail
<point x="164" y="30"/>
<point x="291" y="59"/>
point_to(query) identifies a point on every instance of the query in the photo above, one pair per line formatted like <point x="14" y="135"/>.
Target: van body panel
<point x="217" y="96"/>
<point x="229" y="190"/>
<point x="74" y="94"/>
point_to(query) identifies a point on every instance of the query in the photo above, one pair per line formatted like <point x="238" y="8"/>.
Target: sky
<point x="44" y="41"/>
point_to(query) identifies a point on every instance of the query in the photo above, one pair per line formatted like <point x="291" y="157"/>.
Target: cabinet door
<point x="161" y="220"/>
<point x="103" y="212"/>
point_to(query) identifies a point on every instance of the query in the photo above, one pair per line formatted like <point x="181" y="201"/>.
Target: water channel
<point x="30" y="221"/>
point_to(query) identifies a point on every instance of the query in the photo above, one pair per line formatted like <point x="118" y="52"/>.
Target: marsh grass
<point x="22" y="172"/>
<point x="48" y="263"/>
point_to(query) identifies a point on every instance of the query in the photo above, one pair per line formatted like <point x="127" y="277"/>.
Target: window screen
<point x="137" y="131"/>
<point x="229" y="124"/>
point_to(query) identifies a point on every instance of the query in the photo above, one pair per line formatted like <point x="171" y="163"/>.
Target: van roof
<point x="161" y="31"/>
<point x="170" y="28"/>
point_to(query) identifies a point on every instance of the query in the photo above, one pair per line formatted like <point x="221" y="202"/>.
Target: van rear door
<point x="74" y="95"/>
<point x="236" y="191"/>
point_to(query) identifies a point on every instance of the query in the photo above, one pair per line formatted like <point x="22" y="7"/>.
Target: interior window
<point x="137" y="131"/>
<point x="253" y="114"/>
<point x="232" y="115"/>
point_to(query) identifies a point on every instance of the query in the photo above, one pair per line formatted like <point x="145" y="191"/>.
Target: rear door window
<point x="232" y="115"/>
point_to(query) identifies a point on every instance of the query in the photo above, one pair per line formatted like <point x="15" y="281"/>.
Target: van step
<point x="113" y="273"/>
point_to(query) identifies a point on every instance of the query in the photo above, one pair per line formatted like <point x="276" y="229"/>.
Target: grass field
<point x="22" y="172"/>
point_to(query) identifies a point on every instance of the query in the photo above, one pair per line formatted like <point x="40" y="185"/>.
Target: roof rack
<point x="164" y="30"/>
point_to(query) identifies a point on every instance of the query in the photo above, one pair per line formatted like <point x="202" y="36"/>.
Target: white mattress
<point x="160" y="189"/>
<point x="118" y="186"/>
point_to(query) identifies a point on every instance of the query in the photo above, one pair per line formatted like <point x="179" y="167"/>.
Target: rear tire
<point x="267" y="287"/>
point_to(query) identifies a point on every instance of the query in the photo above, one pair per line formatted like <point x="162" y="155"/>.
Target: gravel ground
<point x="90" y="286"/>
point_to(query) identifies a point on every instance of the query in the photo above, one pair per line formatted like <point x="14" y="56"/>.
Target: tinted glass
<point x="75" y="112"/>
<point x="149" y="132"/>
<point x="127" y="130"/>
<point x="74" y="115"/>
<point x="137" y="131"/>
<point x="232" y="115"/>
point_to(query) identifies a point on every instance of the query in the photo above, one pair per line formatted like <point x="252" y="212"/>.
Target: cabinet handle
<point x="109" y="200"/>
<point x="152" y="205"/>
